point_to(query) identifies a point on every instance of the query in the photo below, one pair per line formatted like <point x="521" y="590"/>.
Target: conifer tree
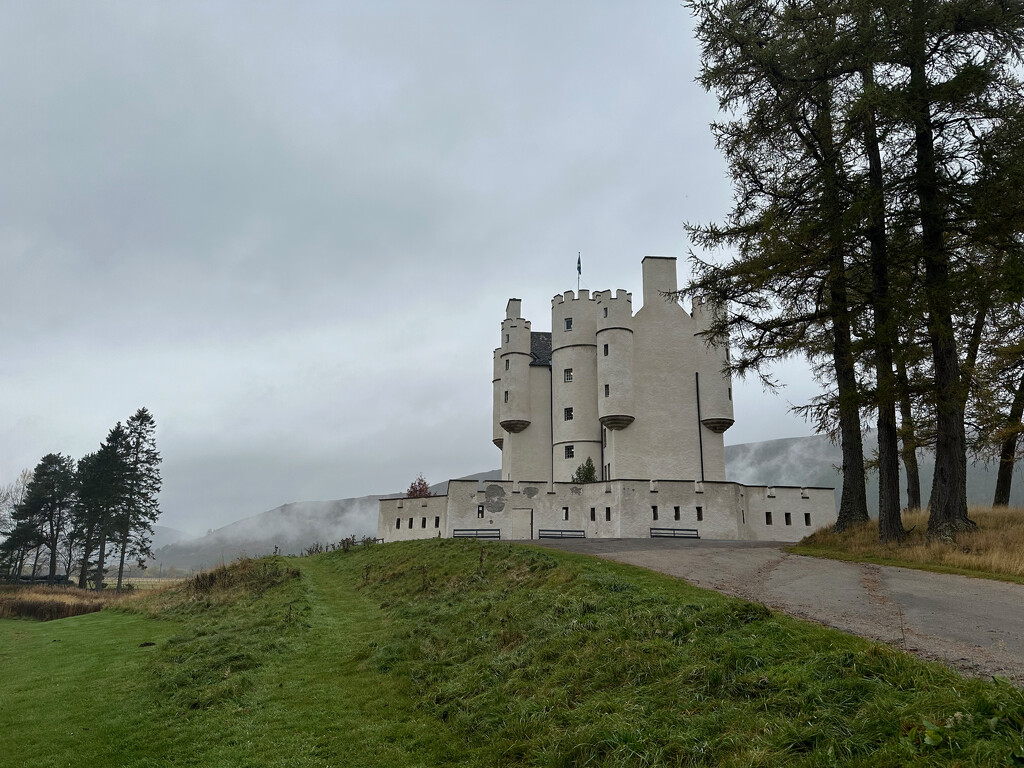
<point x="140" y="507"/>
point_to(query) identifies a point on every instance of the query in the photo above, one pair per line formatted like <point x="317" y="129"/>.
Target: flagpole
<point x="579" y="270"/>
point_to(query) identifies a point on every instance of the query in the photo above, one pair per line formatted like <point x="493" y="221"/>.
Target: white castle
<point x="644" y="398"/>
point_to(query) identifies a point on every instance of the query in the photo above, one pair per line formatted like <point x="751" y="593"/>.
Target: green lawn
<point x="449" y="652"/>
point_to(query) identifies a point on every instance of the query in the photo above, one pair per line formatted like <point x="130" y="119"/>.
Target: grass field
<point x="445" y="652"/>
<point x="995" y="550"/>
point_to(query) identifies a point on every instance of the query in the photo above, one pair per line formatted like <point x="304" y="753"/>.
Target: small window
<point x="568" y="323"/>
<point x="480" y="511"/>
<point x="608" y="513"/>
<point x="567" y="374"/>
<point x="606" y="350"/>
<point x="570" y="451"/>
<point x="568" y="414"/>
<point x="675" y="512"/>
<point x="565" y="513"/>
<point x="789" y="519"/>
<point x="437" y="522"/>
<point x="506" y="338"/>
<point x="424" y="523"/>
<point x="730" y="394"/>
<point x="807" y="518"/>
<point x="654" y="512"/>
<point x="743" y="516"/>
<point x="607" y="390"/>
<point x="767" y="518"/>
<point x="410" y="523"/>
<point x="506" y="395"/>
<point x="606" y="311"/>
<point x="398" y="523"/>
<point x="506" y="365"/>
<point x="593" y="514"/>
<point x="700" y="514"/>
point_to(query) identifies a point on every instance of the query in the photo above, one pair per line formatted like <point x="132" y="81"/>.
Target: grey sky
<point x="290" y="229"/>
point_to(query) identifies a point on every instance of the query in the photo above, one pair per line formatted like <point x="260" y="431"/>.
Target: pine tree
<point x="101" y="490"/>
<point x="140" y="506"/>
<point x="585" y="472"/>
<point x="45" y="515"/>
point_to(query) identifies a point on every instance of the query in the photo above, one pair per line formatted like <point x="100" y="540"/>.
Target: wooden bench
<point x="476" y="533"/>
<point x="675" y="533"/>
<point x="550" y="533"/>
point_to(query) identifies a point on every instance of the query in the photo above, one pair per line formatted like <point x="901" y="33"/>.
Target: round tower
<point x="615" y="397"/>
<point x="715" y="388"/>
<point x="576" y="431"/>
<point x="497" y="434"/>
<point x="514" y="392"/>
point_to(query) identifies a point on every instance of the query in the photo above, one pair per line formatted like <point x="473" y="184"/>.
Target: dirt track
<point x="975" y="625"/>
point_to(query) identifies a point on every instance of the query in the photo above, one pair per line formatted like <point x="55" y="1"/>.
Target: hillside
<point x="449" y="652"/>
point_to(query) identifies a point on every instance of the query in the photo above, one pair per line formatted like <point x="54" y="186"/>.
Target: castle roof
<point x="540" y="348"/>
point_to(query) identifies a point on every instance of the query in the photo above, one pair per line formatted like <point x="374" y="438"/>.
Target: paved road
<point x="975" y="625"/>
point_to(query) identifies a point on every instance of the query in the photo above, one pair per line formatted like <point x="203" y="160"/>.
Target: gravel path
<point x="975" y="625"/>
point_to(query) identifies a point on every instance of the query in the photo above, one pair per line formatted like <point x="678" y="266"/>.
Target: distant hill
<point x="802" y="461"/>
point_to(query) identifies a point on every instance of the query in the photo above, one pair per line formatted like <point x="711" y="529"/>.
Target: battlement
<point x="561" y="298"/>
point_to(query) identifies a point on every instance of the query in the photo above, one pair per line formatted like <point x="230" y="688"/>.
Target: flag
<point x="579" y="264"/>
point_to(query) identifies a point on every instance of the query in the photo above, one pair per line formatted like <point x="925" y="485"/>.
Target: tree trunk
<point x="83" y="571"/>
<point x="890" y="522"/>
<point x="908" y="431"/>
<point x="1008" y="454"/>
<point x="101" y="555"/>
<point x="948" y="513"/>
<point x="120" y="568"/>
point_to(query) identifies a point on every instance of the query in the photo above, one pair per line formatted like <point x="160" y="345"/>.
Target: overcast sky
<point x="290" y="229"/>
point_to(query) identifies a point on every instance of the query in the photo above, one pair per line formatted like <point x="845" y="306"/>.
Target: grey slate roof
<point x="540" y="347"/>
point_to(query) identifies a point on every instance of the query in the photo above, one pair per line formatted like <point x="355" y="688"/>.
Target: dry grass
<point x="48" y="603"/>
<point x="995" y="550"/>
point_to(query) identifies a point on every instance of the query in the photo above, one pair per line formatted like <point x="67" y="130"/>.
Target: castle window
<point x="807" y="518"/>
<point x="506" y="365"/>
<point x="506" y="395"/>
<point x="437" y="522"/>
<point x="398" y="522"/>
<point x="789" y="519"/>
<point x="730" y="394"/>
<point x="767" y="518"/>
<point x="606" y="350"/>
<point x="570" y="451"/>
<point x="607" y="390"/>
<point x="593" y="514"/>
<point x="654" y="512"/>
<point x="567" y="374"/>
<point x="606" y="311"/>
<point x="675" y="512"/>
<point x="506" y="338"/>
<point x="568" y="414"/>
<point x="410" y="523"/>
<point x="480" y="511"/>
<point x="700" y="514"/>
<point x="607" y="514"/>
<point x="565" y="513"/>
<point x="424" y="523"/>
<point x="568" y="323"/>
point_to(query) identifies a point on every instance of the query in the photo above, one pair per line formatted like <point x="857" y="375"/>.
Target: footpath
<point x="974" y="625"/>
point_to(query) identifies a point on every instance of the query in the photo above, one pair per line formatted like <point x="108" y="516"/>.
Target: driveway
<point x="974" y="625"/>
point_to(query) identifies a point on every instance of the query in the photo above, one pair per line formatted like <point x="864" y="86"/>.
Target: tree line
<point x="876" y="151"/>
<point x="80" y="516"/>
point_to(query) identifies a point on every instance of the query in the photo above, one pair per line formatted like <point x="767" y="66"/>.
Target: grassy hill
<point x="448" y="652"/>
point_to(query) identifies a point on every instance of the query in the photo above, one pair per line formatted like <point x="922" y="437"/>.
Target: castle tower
<point x="616" y="406"/>
<point x="575" y="430"/>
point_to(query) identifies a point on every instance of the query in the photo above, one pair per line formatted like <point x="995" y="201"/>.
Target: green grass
<point x="446" y="652"/>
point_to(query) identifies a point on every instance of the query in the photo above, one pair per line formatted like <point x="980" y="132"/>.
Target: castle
<point x="643" y="397"/>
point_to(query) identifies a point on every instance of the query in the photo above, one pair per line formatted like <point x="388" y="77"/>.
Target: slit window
<point x="606" y="350"/>
<point x="568" y="414"/>
<point x="567" y="375"/>
<point x="767" y="518"/>
<point x="730" y="394"/>
<point x="506" y="365"/>
<point x="570" y="451"/>
<point x="565" y="513"/>
<point x="607" y="514"/>
<point x="789" y="519"/>
<point x="398" y="523"/>
<point x="700" y="514"/>
<point x="606" y="311"/>
<point x="654" y="512"/>
<point x="437" y="522"/>
<point x="506" y="395"/>
<point x="506" y="338"/>
<point x="593" y="514"/>
<point x="607" y="390"/>
<point x="675" y="512"/>
<point x="424" y="523"/>
<point x="807" y="518"/>
<point x="410" y="523"/>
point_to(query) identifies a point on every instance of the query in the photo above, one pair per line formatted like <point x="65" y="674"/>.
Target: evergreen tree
<point x="139" y="507"/>
<point x="101" y="491"/>
<point x="585" y="472"/>
<point x="45" y="515"/>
